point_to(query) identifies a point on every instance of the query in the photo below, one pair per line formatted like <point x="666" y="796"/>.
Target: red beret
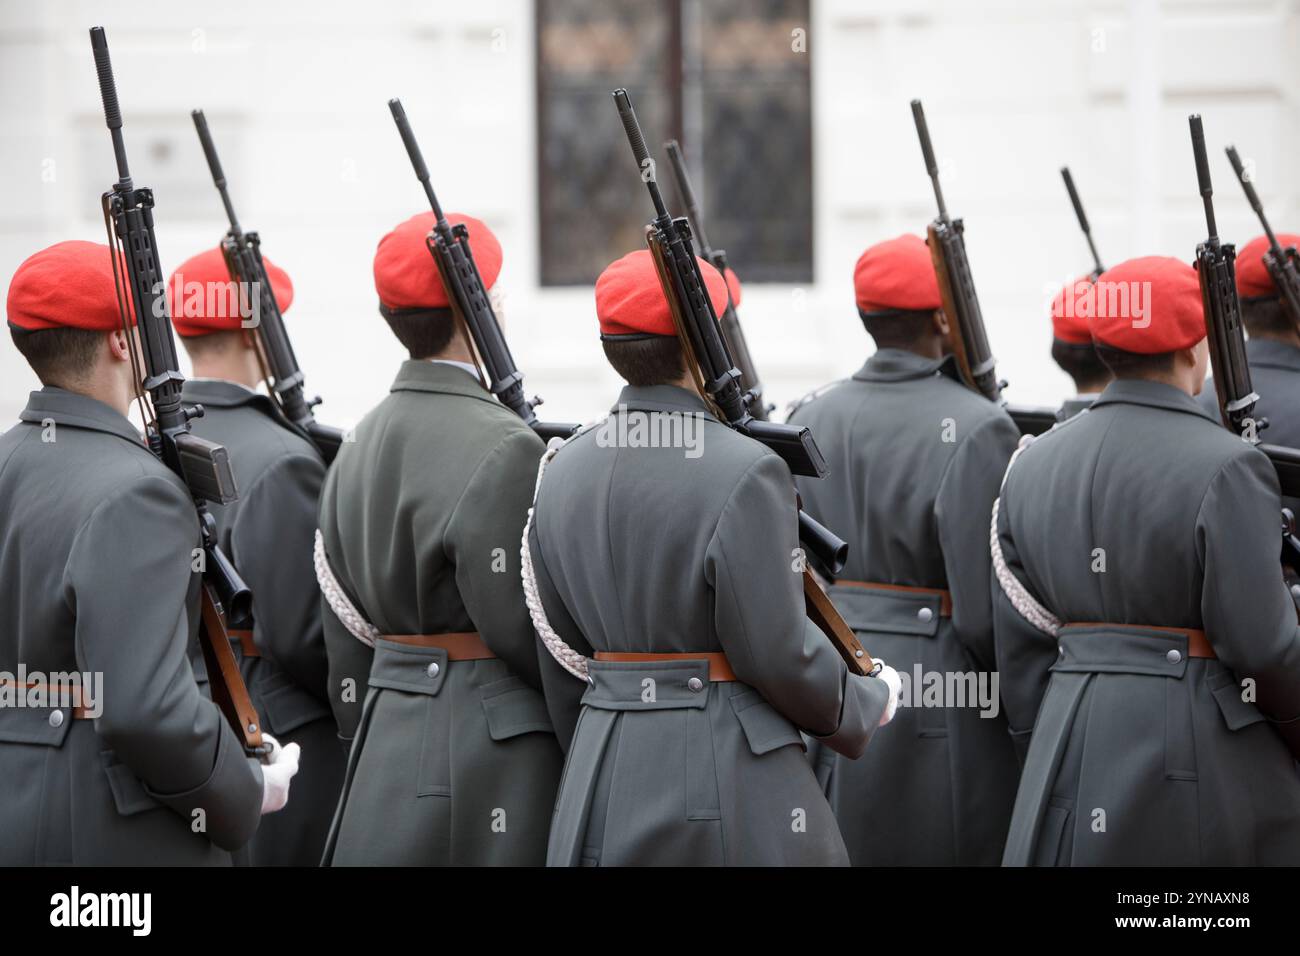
<point x="406" y="277"/>
<point x="1148" y="305"/>
<point x="733" y="285"/>
<point x="897" y="274"/>
<point x="69" y="285"/>
<point x="630" y="300"/>
<point x="1253" y="280"/>
<point x="203" y="298"/>
<point x="1071" y="310"/>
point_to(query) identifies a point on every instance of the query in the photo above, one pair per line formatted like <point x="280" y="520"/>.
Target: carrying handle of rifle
<point x="1203" y="171"/>
<point x="1074" y="198"/>
<point x="104" y="67"/>
<point x="417" y="158"/>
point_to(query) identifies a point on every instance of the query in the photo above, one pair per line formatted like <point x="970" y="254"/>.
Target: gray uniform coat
<point x="1140" y="754"/>
<point x="422" y="517"/>
<point x="916" y="459"/>
<point x="96" y="545"/>
<point x="644" y="549"/>
<point x="267" y="532"/>
<point x="1275" y="375"/>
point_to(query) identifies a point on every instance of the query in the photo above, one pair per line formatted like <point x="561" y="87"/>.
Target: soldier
<point x="268" y="533"/>
<point x="662" y="543"/>
<point x="453" y="760"/>
<point x="1144" y="632"/>
<point x="1273" y="349"/>
<point x="915" y="460"/>
<point x="97" y="539"/>
<point x="1072" y="346"/>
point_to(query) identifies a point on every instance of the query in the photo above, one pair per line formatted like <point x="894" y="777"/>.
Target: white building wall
<point x="296" y="92"/>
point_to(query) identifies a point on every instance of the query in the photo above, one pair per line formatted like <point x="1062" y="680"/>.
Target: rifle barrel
<point x="1203" y="174"/>
<point x="417" y="159"/>
<point x="927" y="151"/>
<point x="1252" y="197"/>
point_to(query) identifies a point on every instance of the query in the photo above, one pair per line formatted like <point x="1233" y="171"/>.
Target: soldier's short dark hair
<point x="898" y="329"/>
<point x="202" y="346"/>
<point x="1080" y="361"/>
<point x="60" y="355"/>
<point x="1135" y="364"/>
<point x="1266" y="316"/>
<point x="653" y="360"/>
<point x="424" y="332"/>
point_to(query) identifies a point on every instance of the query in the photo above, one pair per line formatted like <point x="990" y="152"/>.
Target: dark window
<point x="728" y="78"/>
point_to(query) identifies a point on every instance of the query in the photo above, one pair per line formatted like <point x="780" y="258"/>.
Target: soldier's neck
<point x="107" y="385"/>
<point x="239" y="367"/>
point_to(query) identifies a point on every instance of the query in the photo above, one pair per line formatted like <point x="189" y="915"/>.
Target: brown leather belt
<point x="460" y="645"/>
<point x="78" y="710"/>
<point x="1198" y="645"/>
<point x="247" y="647"/>
<point x="719" y="666"/>
<point x="945" y="598"/>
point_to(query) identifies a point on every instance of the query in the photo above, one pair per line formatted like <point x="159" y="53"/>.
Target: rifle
<point x="204" y="466"/>
<point x="1097" y="267"/>
<point x="731" y="329"/>
<point x="1280" y="263"/>
<point x="1216" y="268"/>
<point x="718" y="379"/>
<point x="470" y="303"/>
<point x="968" y="338"/>
<point x="243" y="255"/>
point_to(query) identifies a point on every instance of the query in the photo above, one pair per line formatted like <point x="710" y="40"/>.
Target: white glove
<point x="280" y="766"/>
<point x="895" y="685"/>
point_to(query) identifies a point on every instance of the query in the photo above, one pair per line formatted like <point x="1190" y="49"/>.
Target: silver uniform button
<point x="695" y="684"/>
<point x="925" y="615"/>
<point x="56" y="718"/>
<point x="1060" y="650"/>
<point x="1173" y="657"/>
<point x="433" y="669"/>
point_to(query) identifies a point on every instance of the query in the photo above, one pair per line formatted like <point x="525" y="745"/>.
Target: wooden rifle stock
<point x="225" y="682"/>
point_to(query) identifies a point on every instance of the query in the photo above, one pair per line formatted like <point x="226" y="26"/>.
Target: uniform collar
<point x="1074" y="405"/>
<point x="1273" y="354"/>
<point x="661" y="398"/>
<point x="417" y="375"/>
<point x="78" y="411"/>
<point x="220" y="393"/>
<point x="900" y="365"/>
<point x="1139" y="391"/>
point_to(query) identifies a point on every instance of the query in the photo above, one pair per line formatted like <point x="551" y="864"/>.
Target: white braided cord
<point x="339" y="603"/>
<point x="1026" y="604"/>
<point x="565" y="656"/>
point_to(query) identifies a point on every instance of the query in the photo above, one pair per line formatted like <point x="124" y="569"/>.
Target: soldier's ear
<point x="119" y="345"/>
<point x="941" y="323"/>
